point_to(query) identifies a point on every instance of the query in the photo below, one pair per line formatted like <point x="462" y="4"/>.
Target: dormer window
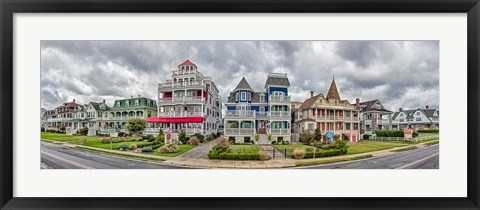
<point x="244" y="96"/>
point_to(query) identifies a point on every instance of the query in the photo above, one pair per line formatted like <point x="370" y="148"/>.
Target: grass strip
<point x="51" y="141"/>
<point x="320" y="162"/>
<point x="404" y="149"/>
<point x="431" y="143"/>
<point x="121" y="154"/>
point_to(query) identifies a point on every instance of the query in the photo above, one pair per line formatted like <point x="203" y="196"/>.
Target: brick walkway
<point x="200" y="151"/>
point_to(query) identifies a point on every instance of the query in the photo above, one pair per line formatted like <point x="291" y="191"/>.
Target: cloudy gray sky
<point x="399" y="73"/>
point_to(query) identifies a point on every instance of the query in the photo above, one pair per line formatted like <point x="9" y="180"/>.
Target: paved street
<point x="420" y="158"/>
<point x="61" y="157"/>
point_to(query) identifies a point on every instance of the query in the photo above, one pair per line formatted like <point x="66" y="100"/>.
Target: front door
<point x="262" y="128"/>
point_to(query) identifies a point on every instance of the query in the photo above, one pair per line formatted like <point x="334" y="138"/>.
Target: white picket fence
<point x="418" y="138"/>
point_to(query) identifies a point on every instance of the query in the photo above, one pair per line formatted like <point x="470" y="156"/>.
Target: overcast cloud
<point x="399" y="73"/>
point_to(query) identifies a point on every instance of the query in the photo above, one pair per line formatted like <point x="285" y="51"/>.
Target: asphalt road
<point x="55" y="156"/>
<point x="420" y="158"/>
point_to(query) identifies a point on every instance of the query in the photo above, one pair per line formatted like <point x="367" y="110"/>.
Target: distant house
<point x="374" y="116"/>
<point x="328" y="113"/>
<point x="265" y="112"/>
<point x="417" y="119"/>
<point x="124" y="109"/>
<point x="61" y="116"/>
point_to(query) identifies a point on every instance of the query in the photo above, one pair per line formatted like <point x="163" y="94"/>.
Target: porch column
<point x="334" y="114"/>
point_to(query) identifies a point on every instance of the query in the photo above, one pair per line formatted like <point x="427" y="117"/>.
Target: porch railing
<point x="239" y="131"/>
<point x="280" y="114"/>
<point x="279" y="131"/>
<point x="239" y="114"/>
<point x="278" y="99"/>
<point x="179" y="114"/>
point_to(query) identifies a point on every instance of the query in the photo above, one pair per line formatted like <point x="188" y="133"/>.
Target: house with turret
<point x="330" y="114"/>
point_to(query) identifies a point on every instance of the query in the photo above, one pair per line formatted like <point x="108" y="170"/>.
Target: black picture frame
<point x="10" y="7"/>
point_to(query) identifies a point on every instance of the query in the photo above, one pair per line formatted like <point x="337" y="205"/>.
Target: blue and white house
<point x="267" y="112"/>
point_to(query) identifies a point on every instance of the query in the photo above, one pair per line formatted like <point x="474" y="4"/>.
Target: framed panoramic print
<point x="239" y="105"/>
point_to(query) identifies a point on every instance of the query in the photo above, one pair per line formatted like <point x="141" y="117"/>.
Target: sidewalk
<point x="230" y="164"/>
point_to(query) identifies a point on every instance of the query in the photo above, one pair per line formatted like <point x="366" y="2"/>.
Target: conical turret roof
<point x="333" y="91"/>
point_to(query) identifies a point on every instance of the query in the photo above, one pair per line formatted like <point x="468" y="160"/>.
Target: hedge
<point x="429" y="131"/>
<point x="148" y="144"/>
<point x="218" y="154"/>
<point x="326" y="153"/>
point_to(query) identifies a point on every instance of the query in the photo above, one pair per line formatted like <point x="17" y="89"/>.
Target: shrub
<point x="415" y="134"/>
<point x="341" y="145"/>
<point x="366" y="136"/>
<point x="298" y="153"/>
<point x="106" y="140"/>
<point x="317" y="134"/>
<point x="274" y="142"/>
<point x="182" y="136"/>
<point x="83" y="131"/>
<point x="176" y="141"/>
<point x="83" y="141"/>
<point x="263" y="155"/>
<point x="169" y="148"/>
<point x="199" y="136"/>
<point x="326" y="153"/>
<point x="133" y="147"/>
<point x="286" y="142"/>
<point x="147" y="149"/>
<point x="160" y="137"/>
<point x="428" y="131"/>
<point x="269" y="137"/>
<point x="213" y="154"/>
<point x="138" y="150"/>
<point x="257" y="137"/>
<point x="194" y="140"/>
<point x="150" y="137"/>
<point x="156" y="146"/>
<point x="307" y="137"/>
<point x="210" y="137"/>
<point x="123" y="147"/>
<point x="236" y="156"/>
<point x="42" y="129"/>
<point x="222" y="146"/>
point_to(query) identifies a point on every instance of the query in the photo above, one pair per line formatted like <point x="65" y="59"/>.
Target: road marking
<point x="417" y="161"/>
<point x="68" y="161"/>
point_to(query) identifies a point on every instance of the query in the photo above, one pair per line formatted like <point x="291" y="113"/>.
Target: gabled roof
<point x="369" y="106"/>
<point x="333" y="91"/>
<point x="309" y="102"/>
<point x="277" y="79"/>
<point x="96" y="106"/>
<point x="69" y="104"/>
<point x="243" y="85"/>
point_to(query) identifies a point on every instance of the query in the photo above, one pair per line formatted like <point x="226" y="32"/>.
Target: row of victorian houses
<point x="190" y="102"/>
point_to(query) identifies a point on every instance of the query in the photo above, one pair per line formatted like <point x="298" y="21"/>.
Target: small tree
<point x="307" y="137"/>
<point x="257" y="137"/>
<point x="317" y="135"/>
<point x="182" y="136"/>
<point x="269" y="137"/>
<point x="161" y="137"/>
<point x="135" y="125"/>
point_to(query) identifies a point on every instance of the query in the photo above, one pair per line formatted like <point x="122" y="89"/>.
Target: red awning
<point x="175" y="120"/>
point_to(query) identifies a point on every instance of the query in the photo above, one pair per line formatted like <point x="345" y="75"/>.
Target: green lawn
<point x="369" y="146"/>
<point x="98" y="144"/>
<point x="290" y="148"/>
<point x="243" y="148"/>
<point x="183" y="149"/>
<point x="66" y="138"/>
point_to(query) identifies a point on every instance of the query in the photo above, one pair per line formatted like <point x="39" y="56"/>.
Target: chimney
<point x="357" y="103"/>
<point x="311" y="93"/>
<point x="400" y="109"/>
<point x="426" y="107"/>
<point x="139" y="96"/>
<point x="73" y="100"/>
<point x="103" y="100"/>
